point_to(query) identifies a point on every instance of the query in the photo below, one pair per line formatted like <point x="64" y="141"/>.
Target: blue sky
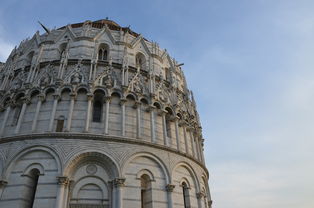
<point x="250" y="64"/>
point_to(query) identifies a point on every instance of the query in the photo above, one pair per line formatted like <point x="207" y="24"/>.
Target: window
<point x="185" y="192"/>
<point x="146" y="192"/>
<point x="168" y="126"/>
<point x="97" y="111"/>
<point x="34" y="176"/>
<point x="140" y="61"/>
<point x="60" y="123"/>
<point x="103" y="54"/>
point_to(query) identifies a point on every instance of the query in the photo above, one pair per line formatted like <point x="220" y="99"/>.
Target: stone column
<point x="169" y="189"/>
<point x="198" y="149"/>
<point x="3" y="183"/>
<point x="192" y="142"/>
<point x="89" y="106"/>
<point x="152" y="123"/>
<point x="164" y="127"/>
<point x="53" y="112"/>
<point x="41" y="98"/>
<point x="122" y="103"/>
<point x="62" y="183"/>
<point x="200" y="196"/>
<point x="118" y="185"/>
<point x="185" y="139"/>
<point x="21" y="116"/>
<point x="138" y="119"/>
<point x="176" y="123"/>
<point x="107" y="100"/>
<point x="69" y="121"/>
<point x="5" y="119"/>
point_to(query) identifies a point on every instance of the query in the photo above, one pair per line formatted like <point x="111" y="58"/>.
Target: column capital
<point x="63" y="180"/>
<point x="200" y="195"/>
<point x="3" y="183"/>
<point x="73" y="95"/>
<point x="89" y="96"/>
<point x="41" y="97"/>
<point x="56" y="96"/>
<point x="170" y="187"/>
<point x="118" y="182"/>
<point x="137" y="104"/>
<point x="26" y="100"/>
<point x="123" y="101"/>
<point x="107" y="98"/>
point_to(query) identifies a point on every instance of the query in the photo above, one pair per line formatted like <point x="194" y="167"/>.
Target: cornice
<point x="97" y="137"/>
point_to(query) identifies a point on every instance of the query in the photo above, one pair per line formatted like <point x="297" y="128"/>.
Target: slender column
<point x="118" y="185"/>
<point x="62" y="183"/>
<point x="152" y="123"/>
<point x="89" y="105"/>
<point x="5" y="120"/>
<point x="138" y="119"/>
<point x="29" y="75"/>
<point x="53" y="112"/>
<point x="200" y="196"/>
<point x="69" y="121"/>
<point x="122" y="103"/>
<point x="3" y="183"/>
<point x="164" y="127"/>
<point x="169" y="189"/>
<point x="192" y="142"/>
<point x="40" y="100"/>
<point x="90" y="71"/>
<point x="21" y="116"/>
<point x="107" y="100"/>
<point x="185" y="140"/>
<point x="177" y="133"/>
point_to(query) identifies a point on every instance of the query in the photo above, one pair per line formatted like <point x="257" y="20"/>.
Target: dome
<point x="94" y="115"/>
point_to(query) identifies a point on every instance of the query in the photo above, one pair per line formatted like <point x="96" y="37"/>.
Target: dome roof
<point x="112" y="25"/>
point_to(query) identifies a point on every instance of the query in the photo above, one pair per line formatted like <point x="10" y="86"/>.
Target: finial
<point x="46" y="29"/>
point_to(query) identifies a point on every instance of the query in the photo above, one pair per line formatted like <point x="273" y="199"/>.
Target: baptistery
<point x="93" y="115"/>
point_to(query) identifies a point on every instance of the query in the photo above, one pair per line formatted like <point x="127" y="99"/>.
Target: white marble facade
<point x="92" y="115"/>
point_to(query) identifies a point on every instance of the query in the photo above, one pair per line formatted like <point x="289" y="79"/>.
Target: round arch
<point x="150" y="156"/>
<point x="12" y="161"/>
<point x="191" y="171"/>
<point x="91" y="155"/>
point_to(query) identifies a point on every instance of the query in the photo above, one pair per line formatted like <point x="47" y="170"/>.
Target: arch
<point x="18" y="96"/>
<point x="150" y="156"/>
<point x="116" y="93"/>
<point x="186" y="181"/>
<point x="140" y="61"/>
<point x="101" y="90"/>
<point x="74" y="162"/>
<point x="37" y="166"/>
<point x="157" y="105"/>
<point x="66" y="89"/>
<point x="169" y="110"/>
<point x="27" y="150"/>
<point x="191" y="171"/>
<point x="131" y="96"/>
<point x="33" y="92"/>
<point x="103" y="52"/>
<point x="145" y="172"/>
<point x="144" y="100"/>
<point x="83" y="89"/>
<point x="90" y="180"/>
<point x="49" y="90"/>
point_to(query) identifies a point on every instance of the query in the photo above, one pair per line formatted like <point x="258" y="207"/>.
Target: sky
<point x="250" y="65"/>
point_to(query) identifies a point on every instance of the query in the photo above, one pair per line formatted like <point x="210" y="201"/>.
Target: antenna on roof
<point x="46" y="29"/>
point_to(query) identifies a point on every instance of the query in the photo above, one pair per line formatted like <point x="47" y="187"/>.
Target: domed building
<point x="93" y="115"/>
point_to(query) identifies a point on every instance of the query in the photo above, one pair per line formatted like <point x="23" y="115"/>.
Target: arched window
<point x="146" y="192"/>
<point x="185" y="192"/>
<point x="103" y="52"/>
<point x="34" y="176"/>
<point x="97" y="108"/>
<point x="140" y="61"/>
<point x="60" y="124"/>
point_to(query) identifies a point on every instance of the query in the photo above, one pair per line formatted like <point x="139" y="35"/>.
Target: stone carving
<point x="91" y="169"/>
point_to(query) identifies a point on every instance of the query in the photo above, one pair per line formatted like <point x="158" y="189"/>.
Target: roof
<point x="101" y="23"/>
